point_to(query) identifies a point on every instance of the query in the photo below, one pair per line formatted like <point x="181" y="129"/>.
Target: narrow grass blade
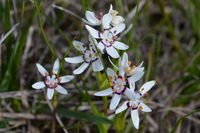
<point x="84" y="116"/>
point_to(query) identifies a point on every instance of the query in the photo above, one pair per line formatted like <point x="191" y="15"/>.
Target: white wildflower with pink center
<point x="136" y="103"/>
<point x="52" y="82"/>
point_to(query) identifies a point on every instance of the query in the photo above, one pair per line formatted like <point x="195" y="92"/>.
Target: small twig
<point x="25" y="116"/>
<point x="14" y="94"/>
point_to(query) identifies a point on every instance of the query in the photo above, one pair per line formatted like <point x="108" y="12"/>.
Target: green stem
<point x="42" y="29"/>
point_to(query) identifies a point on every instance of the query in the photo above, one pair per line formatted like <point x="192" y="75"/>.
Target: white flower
<point x="116" y="19"/>
<point x="88" y="57"/>
<point x="118" y="86"/>
<point x="94" y="20"/>
<point x="108" y="37"/>
<point x="136" y="103"/>
<point x="52" y="82"/>
<point x="132" y="72"/>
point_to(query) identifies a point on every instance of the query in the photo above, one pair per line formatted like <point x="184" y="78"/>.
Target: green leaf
<point x="119" y="122"/>
<point x="83" y="116"/>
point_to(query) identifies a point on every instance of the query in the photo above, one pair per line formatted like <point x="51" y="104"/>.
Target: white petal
<point x="120" y="45"/>
<point x="38" y="85"/>
<point x="135" y="118"/>
<point x="110" y="72"/>
<point x="76" y="59"/>
<point x="123" y="63"/>
<point x="105" y="92"/>
<point x="138" y="69"/>
<point x="106" y="20"/>
<point x="65" y="79"/>
<point x="117" y="29"/>
<point x="145" y="108"/>
<point x="136" y="76"/>
<point x="114" y="101"/>
<point x="141" y="64"/>
<point x="56" y="66"/>
<point x="125" y="59"/>
<point x="93" y="32"/>
<point x="122" y="107"/>
<point x="79" y="46"/>
<point x="50" y="93"/>
<point x="147" y="86"/>
<point x="101" y="47"/>
<point x="42" y="70"/>
<point x="61" y="90"/>
<point x="112" y="52"/>
<point x="111" y="8"/>
<point x="97" y="65"/>
<point x="88" y="23"/>
<point x="130" y="94"/>
<point x="90" y="16"/>
<point x="117" y="20"/>
<point x="82" y="68"/>
<point x="132" y="85"/>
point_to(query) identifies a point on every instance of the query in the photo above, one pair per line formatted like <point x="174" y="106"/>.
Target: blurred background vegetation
<point x="165" y="35"/>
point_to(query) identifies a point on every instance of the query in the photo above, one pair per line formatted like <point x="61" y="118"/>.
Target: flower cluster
<point x="123" y="83"/>
<point x="104" y="41"/>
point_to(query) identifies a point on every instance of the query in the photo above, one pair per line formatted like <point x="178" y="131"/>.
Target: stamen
<point x="53" y="73"/>
<point x="141" y="89"/>
<point x="129" y="62"/>
<point x="111" y="84"/>
<point x="109" y="77"/>
<point x="140" y="108"/>
<point x="46" y="74"/>
<point x="146" y="94"/>
<point x="123" y="79"/>
<point x="133" y="67"/>
<point x="116" y="76"/>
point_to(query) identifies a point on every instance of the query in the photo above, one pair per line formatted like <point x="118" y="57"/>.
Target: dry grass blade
<point x="8" y="33"/>
<point x="25" y="116"/>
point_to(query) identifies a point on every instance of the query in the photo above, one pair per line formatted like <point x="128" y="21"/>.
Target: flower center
<point x="118" y="84"/>
<point x="108" y="38"/>
<point x="89" y="56"/>
<point x="52" y="82"/>
<point x="134" y="105"/>
<point x="129" y="68"/>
